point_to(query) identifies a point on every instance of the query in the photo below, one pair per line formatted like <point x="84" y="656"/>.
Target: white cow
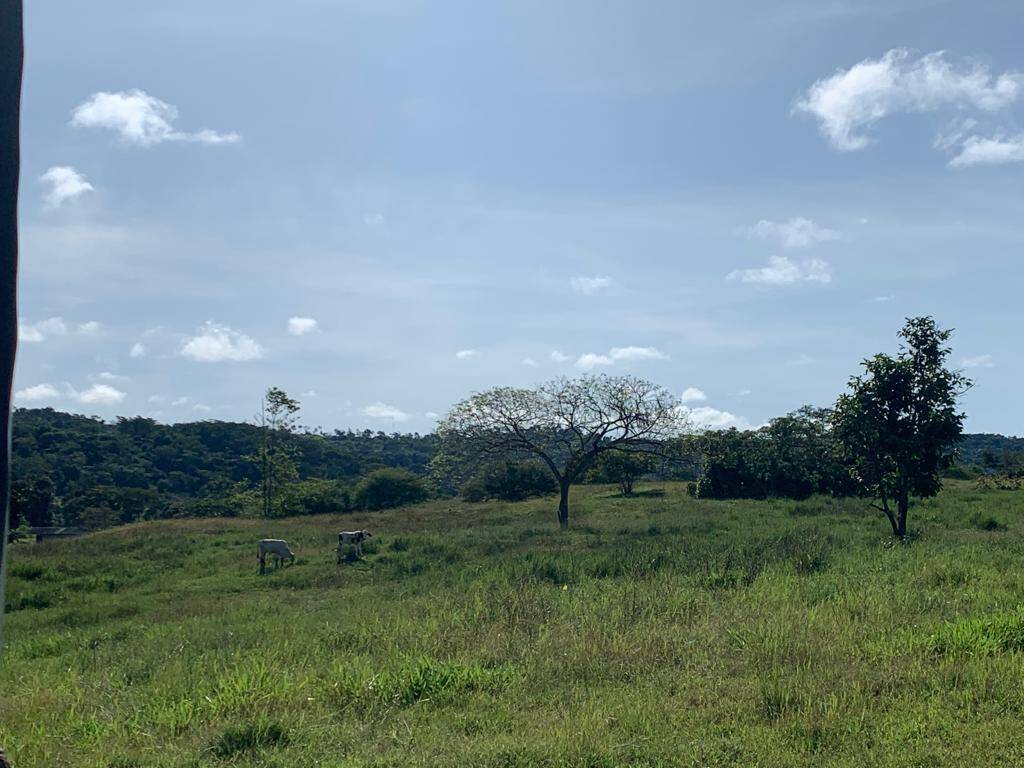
<point x="278" y="548"/>
<point x="354" y="539"/>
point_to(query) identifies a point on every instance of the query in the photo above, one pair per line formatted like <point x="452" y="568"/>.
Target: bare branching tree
<point x="566" y="424"/>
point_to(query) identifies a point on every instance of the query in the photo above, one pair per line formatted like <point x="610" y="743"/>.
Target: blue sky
<point x="383" y="206"/>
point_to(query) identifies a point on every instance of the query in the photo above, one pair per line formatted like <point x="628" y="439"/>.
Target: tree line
<point x="890" y="437"/>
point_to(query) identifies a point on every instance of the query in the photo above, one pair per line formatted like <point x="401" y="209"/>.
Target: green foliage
<point x="386" y="488"/>
<point x="251" y="737"/>
<point x="510" y="481"/>
<point x="899" y="421"/>
<point x="316" y="497"/>
<point x="622" y="468"/>
<point x="64" y="464"/>
<point x="794" y="456"/>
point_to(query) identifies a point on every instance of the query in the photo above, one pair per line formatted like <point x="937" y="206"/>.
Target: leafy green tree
<point x="32" y="502"/>
<point x="387" y="488"/>
<point x="277" y="420"/>
<point x="622" y="468"/>
<point x="565" y="424"/>
<point x="510" y="481"/>
<point x="899" y="422"/>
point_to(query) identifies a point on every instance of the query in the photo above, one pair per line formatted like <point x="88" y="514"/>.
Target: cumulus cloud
<point x="138" y="350"/>
<point x="981" y="361"/>
<point x="217" y="343"/>
<point x="183" y="400"/>
<point x="782" y="271"/>
<point x="590" y="360"/>
<point x="90" y="328"/>
<point x="385" y="412"/>
<point x="37" y="393"/>
<point x="99" y="394"/>
<point x="558" y="357"/>
<point x="140" y="119"/>
<point x="109" y="376"/>
<point x="36" y="332"/>
<point x="706" y="417"/>
<point x="465" y="354"/>
<point x="300" y="325"/>
<point x="692" y="395"/>
<point x="65" y="184"/>
<point x="200" y="408"/>
<point x="373" y="219"/>
<point x="976" y="150"/>
<point x="797" y="232"/>
<point x="588" y="286"/>
<point x="529" y="362"/>
<point x="849" y="102"/>
<point x="431" y="415"/>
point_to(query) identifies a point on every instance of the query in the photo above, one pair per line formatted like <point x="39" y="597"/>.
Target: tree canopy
<point x="565" y="424"/>
<point x="899" y="421"/>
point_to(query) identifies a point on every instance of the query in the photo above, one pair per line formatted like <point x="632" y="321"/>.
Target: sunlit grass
<point x="658" y="631"/>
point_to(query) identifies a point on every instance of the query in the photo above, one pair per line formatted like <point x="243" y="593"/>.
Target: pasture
<point x="658" y="631"/>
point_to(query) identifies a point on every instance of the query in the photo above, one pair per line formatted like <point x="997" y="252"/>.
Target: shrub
<point x="510" y="481"/>
<point x="386" y="488"/>
<point x="317" y="497"/>
<point x="621" y="468"/>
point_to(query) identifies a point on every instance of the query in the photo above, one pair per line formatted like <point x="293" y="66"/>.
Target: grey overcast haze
<point x="384" y="206"/>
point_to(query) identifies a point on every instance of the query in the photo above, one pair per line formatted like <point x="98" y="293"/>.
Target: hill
<point x="61" y="459"/>
<point x="660" y="631"/>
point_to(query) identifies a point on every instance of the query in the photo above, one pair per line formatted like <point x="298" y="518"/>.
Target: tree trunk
<point x="563" y="504"/>
<point x="903" y="504"/>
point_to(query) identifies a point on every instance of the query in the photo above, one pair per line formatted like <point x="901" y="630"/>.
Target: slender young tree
<point x="277" y="418"/>
<point x="899" y="423"/>
<point x="566" y="424"/>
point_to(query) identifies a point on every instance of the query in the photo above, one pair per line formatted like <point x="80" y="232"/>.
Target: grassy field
<point x="659" y="631"/>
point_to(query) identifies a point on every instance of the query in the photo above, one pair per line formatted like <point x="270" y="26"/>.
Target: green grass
<point x="658" y="631"/>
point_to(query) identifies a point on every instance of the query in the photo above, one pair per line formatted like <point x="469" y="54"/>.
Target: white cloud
<point x="308" y="393"/>
<point x="588" y="286"/>
<point x="373" y="219"/>
<point x="156" y="399"/>
<point x="108" y="376"/>
<point x="180" y="401"/>
<point x="558" y="357"/>
<point x="386" y="412"/>
<point x="882" y="299"/>
<point x="981" y="361"/>
<point x="138" y="350"/>
<point x="36" y="332"/>
<point x="37" y="393"/>
<point x="981" y="151"/>
<point x="850" y="101"/>
<point x="782" y="271"/>
<point x="591" y="360"/>
<point x="745" y="392"/>
<point x="216" y="343"/>
<point x="65" y="184"/>
<point x="99" y="394"/>
<point x="200" y="408"/>
<point x="431" y="415"/>
<point x="637" y="353"/>
<point x="140" y="119"/>
<point x="706" y="417"/>
<point x="797" y="232"/>
<point x="465" y="354"/>
<point x="90" y="328"/>
<point x="529" y="362"/>
<point x="300" y="325"/>
<point x="692" y="395"/>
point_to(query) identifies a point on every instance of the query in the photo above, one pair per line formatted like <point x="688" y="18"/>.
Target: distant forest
<point x="66" y="467"/>
<point x="66" y="463"/>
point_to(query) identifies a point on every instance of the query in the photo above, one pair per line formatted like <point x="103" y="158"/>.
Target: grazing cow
<point x="3" y="760"/>
<point x="353" y="538"/>
<point x="278" y="548"/>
